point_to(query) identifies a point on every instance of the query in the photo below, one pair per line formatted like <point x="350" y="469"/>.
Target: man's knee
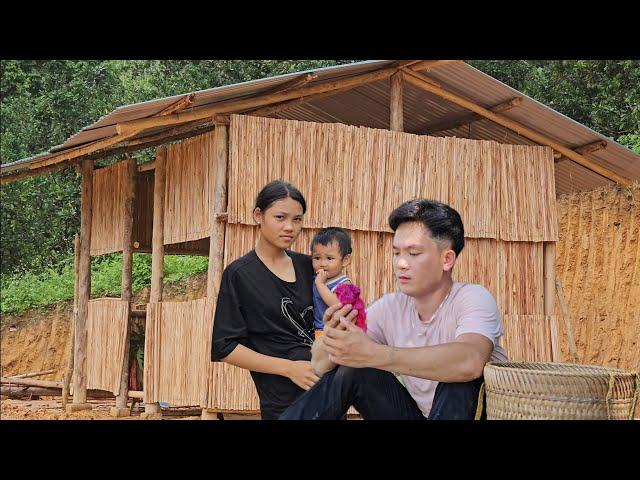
<point x="358" y="375"/>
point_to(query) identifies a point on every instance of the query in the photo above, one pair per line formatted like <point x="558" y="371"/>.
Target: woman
<point x="264" y="313"/>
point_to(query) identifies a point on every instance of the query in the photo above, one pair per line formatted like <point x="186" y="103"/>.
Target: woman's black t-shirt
<point x="259" y="310"/>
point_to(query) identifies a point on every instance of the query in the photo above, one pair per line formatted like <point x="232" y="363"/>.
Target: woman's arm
<point x="299" y="372"/>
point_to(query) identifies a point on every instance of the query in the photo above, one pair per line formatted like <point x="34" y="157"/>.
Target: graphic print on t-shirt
<point x="302" y="321"/>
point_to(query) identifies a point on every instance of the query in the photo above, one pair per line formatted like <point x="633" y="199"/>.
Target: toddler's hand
<point x="321" y="276"/>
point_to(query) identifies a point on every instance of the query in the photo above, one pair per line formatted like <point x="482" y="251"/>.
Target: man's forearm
<point x="320" y="363"/>
<point x="449" y="362"/>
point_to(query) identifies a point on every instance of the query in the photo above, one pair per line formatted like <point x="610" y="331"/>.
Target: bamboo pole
<point x="66" y="378"/>
<point x="584" y="149"/>
<point x="157" y="250"/>
<point x="32" y="173"/>
<point x="181" y="104"/>
<point x="85" y="149"/>
<point x="565" y="318"/>
<point x="245" y="104"/>
<point x="84" y="292"/>
<point x="549" y="275"/>
<point x="467" y="119"/>
<point x="418" y="81"/>
<point x="127" y="294"/>
<point x="34" y="374"/>
<point x="396" y="114"/>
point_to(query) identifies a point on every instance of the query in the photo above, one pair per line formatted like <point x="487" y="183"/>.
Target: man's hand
<point x="349" y="346"/>
<point x="335" y="313"/>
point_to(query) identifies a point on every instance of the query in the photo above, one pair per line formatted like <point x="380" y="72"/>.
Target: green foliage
<point x="42" y="103"/>
<point x="21" y="292"/>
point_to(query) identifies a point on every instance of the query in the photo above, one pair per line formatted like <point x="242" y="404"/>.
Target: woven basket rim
<point x="564" y="370"/>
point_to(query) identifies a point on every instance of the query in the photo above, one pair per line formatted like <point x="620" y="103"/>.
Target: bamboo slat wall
<point x="190" y="175"/>
<point x="531" y="337"/>
<point x="527" y="194"/>
<point x="107" y="220"/>
<point x="520" y="276"/>
<point x="355" y="176"/>
<point x="598" y="264"/>
<point x="106" y="334"/>
<point x="177" y="352"/>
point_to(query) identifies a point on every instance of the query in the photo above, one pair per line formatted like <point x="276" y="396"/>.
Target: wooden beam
<point x="85" y="149"/>
<point x="231" y="106"/>
<point x="584" y="149"/>
<point x="32" y="173"/>
<point x="127" y="263"/>
<point x="270" y="109"/>
<point x="292" y="84"/>
<point x="417" y="80"/>
<point x="84" y="287"/>
<point x="181" y="104"/>
<point x="429" y="64"/>
<point x="396" y="115"/>
<point x="466" y="119"/>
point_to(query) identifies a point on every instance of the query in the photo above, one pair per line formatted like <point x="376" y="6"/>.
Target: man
<point x="435" y="333"/>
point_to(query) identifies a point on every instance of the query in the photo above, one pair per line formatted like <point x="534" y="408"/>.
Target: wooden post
<point x="216" y="242"/>
<point x="84" y="293"/>
<point x="121" y="410"/>
<point x="218" y="228"/>
<point x="549" y="277"/>
<point x="66" y="378"/>
<point x="157" y="251"/>
<point x="396" y="117"/>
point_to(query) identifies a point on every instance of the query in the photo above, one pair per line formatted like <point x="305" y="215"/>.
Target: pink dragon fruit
<point x="349" y="293"/>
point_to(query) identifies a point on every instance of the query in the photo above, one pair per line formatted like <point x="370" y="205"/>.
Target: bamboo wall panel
<point x="107" y="220"/>
<point x="178" y="352"/>
<point x="531" y="337"/>
<point x="527" y="194"/>
<point x="478" y="263"/>
<point x="190" y="177"/>
<point x="598" y="264"/>
<point x="106" y="334"/>
<point x="520" y="276"/>
<point x="354" y="177"/>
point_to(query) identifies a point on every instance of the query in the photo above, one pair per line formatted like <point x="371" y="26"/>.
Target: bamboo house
<point x="357" y="140"/>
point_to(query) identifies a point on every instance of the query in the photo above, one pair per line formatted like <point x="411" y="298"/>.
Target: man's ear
<point x="449" y="259"/>
<point x="346" y="260"/>
<point x="257" y="215"/>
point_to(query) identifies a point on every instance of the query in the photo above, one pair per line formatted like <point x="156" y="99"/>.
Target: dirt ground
<point x="50" y="408"/>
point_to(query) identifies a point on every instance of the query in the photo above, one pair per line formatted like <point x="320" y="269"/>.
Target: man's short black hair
<point x="333" y="234"/>
<point x="441" y="220"/>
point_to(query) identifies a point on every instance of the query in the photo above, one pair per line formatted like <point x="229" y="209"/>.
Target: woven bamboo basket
<point x="559" y="391"/>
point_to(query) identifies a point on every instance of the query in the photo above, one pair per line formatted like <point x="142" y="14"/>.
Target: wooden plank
<point x="181" y="104"/>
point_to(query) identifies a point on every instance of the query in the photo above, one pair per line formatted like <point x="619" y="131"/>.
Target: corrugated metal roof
<point x="368" y="106"/>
